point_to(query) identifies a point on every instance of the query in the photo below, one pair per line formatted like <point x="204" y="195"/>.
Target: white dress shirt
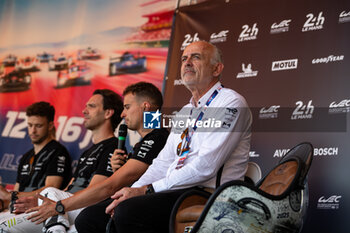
<point x="228" y="143"/>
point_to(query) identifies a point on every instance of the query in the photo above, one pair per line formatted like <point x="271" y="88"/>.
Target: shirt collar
<point x="202" y="101"/>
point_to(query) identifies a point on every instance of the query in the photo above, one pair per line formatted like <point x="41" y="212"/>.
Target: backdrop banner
<point x="61" y="51"/>
<point x="290" y="60"/>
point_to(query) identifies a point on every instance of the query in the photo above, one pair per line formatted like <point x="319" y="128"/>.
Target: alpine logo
<point x="284" y="65"/>
<point x="331" y="202"/>
<point x="281" y="27"/>
<point x="344" y="17"/>
<point x="189" y="39"/>
<point x="269" y="113"/>
<point x="341" y="107"/>
<point x="247" y="71"/>
<point x="313" y="22"/>
<point x="248" y="33"/>
<point x="303" y="111"/>
<point x="220" y="37"/>
<point x="330" y="58"/>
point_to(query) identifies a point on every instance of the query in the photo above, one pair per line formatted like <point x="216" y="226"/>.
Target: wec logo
<point x="344" y="17"/>
<point x="269" y="113"/>
<point x="272" y="109"/>
<point x="343" y="103"/>
<point x="331" y="199"/>
<point x="220" y="37"/>
<point x="341" y="107"/>
<point x="281" y="27"/>
<point x="331" y="202"/>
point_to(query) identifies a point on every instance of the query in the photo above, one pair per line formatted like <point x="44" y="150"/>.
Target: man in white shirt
<point x="192" y="155"/>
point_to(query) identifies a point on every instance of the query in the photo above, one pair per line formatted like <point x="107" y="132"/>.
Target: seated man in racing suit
<point x="138" y="98"/>
<point x="47" y="164"/>
<point x="101" y="116"/>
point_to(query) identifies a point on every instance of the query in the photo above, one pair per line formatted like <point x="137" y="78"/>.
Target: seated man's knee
<point x="123" y="213"/>
<point x="51" y="193"/>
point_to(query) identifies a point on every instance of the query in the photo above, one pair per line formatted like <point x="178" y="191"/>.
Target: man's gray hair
<point x="217" y="55"/>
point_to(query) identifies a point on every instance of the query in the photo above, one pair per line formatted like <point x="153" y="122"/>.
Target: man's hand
<point x="118" y="159"/>
<point x="24" y="203"/>
<point x="46" y="210"/>
<point x="122" y="195"/>
<point x="4" y="194"/>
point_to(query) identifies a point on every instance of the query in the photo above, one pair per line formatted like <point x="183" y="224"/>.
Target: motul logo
<point x="284" y="65"/>
<point x="331" y="199"/>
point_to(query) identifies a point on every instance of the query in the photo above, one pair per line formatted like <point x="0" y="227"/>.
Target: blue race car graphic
<point x="127" y="63"/>
<point x="44" y="57"/>
<point x="60" y="63"/>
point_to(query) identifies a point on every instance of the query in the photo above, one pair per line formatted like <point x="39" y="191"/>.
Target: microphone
<point x="123" y="130"/>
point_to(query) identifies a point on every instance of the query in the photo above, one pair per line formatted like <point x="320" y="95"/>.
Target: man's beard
<point x="40" y="140"/>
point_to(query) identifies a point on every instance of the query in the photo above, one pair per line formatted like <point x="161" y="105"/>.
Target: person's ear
<point x="146" y="106"/>
<point x="218" y="68"/>
<point x="51" y="125"/>
<point x="109" y="113"/>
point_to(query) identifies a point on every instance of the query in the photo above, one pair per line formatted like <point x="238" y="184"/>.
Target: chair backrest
<point x="280" y="178"/>
<point x="253" y="173"/>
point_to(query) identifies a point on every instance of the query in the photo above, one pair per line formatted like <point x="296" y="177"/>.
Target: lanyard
<point x="201" y="114"/>
<point x="185" y="146"/>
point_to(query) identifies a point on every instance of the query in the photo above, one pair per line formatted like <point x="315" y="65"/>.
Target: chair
<point x="191" y="204"/>
<point x="277" y="203"/>
<point x="253" y="173"/>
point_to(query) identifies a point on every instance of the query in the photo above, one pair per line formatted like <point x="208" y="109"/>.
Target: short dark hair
<point x="43" y="109"/>
<point x="146" y="90"/>
<point x="111" y="100"/>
